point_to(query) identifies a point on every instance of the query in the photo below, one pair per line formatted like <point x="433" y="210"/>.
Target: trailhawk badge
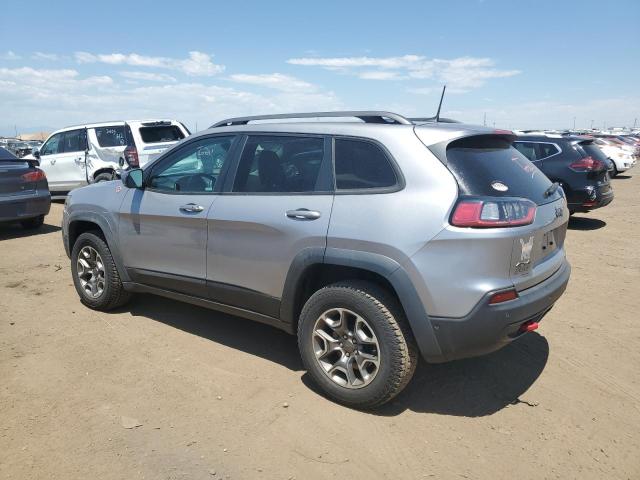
<point x="524" y="265"/>
<point x="499" y="186"/>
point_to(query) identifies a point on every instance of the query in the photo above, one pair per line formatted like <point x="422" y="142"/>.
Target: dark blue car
<point x="24" y="191"/>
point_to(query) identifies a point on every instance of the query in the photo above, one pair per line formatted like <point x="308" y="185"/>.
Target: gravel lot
<point x="163" y="390"/>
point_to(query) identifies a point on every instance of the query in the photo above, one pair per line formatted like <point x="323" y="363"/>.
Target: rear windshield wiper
<point x="551" y="190"/>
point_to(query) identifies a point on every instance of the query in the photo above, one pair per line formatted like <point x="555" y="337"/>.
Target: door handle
<point x="191" y="208"/>
<point x="303" y="214"/>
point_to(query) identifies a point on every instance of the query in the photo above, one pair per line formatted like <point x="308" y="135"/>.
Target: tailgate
<point x="538" y="252"/>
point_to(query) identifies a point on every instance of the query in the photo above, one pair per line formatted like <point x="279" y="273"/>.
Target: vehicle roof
<point x="111" y="123"/>
<point x="434" y="132"/>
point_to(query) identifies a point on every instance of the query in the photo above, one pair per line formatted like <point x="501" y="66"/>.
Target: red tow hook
<point x="529" y="326"/>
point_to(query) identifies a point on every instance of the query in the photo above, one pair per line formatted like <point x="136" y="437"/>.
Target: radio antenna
<point x="444" y="87"/>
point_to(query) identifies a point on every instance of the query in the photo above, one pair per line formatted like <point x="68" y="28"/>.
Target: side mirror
<point x="36" y="153"/>
<point x="133" y="178"/>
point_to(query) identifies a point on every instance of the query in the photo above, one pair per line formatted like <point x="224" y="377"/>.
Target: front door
<point x="164" y="225"/>
<point x="70" y="163"/>
<point x="279" y="204"/>
<point x="49" y="155"/>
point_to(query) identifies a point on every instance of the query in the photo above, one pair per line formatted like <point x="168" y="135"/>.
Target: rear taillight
<point x="493" y="212"/>
<point x="131" y="156"/>
<point x="34" y="176"/>
<point x="587" y="164"/>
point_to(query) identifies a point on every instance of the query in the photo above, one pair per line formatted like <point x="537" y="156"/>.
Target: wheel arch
<point x="90" y="222"/>
<point x="314" y="268"/>
<point x="109" y="170"/>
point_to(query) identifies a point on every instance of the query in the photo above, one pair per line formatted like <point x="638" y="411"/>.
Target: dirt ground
<point x="163" y="390"/>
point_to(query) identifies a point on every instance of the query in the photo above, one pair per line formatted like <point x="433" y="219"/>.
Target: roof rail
<point x="365" y="116"/>
<point x="434" y="120"/>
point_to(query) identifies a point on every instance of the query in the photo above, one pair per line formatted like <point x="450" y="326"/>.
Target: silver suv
<point x="373" y="241"/>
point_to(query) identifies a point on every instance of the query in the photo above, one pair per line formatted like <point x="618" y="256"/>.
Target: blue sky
<point x="526" y="64"/>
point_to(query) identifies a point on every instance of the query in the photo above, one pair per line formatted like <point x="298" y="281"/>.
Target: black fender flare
<point x="109" y="237"/>
<point x="386" y="267"/>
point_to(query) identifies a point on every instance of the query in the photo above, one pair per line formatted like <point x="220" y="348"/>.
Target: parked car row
<point x="19" y="148"/>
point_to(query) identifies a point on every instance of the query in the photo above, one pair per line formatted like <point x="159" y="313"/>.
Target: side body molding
<point x="384" y="266"/>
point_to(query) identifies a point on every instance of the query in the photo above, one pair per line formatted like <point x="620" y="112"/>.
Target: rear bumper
<point x="490" y="327"/>
<point x="22" y="207"/>
<point x="586" y="200"/>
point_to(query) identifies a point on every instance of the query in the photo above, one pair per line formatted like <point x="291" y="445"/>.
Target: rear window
<point x="163" y="133"/>
<point x="488" y="165"/>
<point x="589" y="149"/>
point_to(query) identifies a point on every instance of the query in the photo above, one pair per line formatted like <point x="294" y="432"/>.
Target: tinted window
<point x="528" y="149"/>
<point x="279" y="164"/>
<point x="362" y="165"/>
<point x="479" y="161"/>
<point x="114" y="136"/>
<point x="589" y="149"/>
<point x="194" y="168"/>
<point x="74" y="141"/>
<point x="52" y="146"/>
<point x="161" y="133"/>
<point x="546" y="150"/>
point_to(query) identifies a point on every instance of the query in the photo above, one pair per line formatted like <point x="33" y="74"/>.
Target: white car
<point x="78" y="155"/>
<point x="622" y="158"/>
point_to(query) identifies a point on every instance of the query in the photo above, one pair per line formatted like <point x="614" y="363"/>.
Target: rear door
<point x="164" y="225"/>
<point x="277" y="205"/>
<point x="107" y="144"/>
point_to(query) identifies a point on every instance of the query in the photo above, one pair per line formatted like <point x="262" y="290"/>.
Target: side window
<point x="74" y="141"/>
<point x="194" y="168"/>
<point x="527" y="149"/>
<point x="51" y="147"/>
<point x="111" y="136"/>
<point x="362" y="165"/>
<point x="280" y="164"/>
<point x="546" y="150"/>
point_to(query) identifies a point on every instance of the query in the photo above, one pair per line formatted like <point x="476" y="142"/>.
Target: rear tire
<point x="98" y="283"/>
<point x="33" y="223"/>
<point x="325" y="355"/>
<point x="614" y="172"/>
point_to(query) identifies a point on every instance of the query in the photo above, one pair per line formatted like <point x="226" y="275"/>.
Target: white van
<point x="75" y="156"/>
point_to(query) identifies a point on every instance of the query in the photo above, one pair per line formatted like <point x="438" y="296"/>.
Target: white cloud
<point x="148" y="76"/>
<point x="460" y="74"/>
<point x="55" y="98"/>
<point x="277" y="81"/>
<point x="44" y="56"/>
<point x="197" y="64"/>
<point x="9" y="55"/>
<point x="354" y="62"/>
<point x="380" y="75"/>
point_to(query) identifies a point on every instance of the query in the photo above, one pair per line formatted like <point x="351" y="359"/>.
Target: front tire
<point x="95" y="275"/>
<point x="33" y="223"/>
<point x="356" y="344"/>
<point x="103" y="177"/>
